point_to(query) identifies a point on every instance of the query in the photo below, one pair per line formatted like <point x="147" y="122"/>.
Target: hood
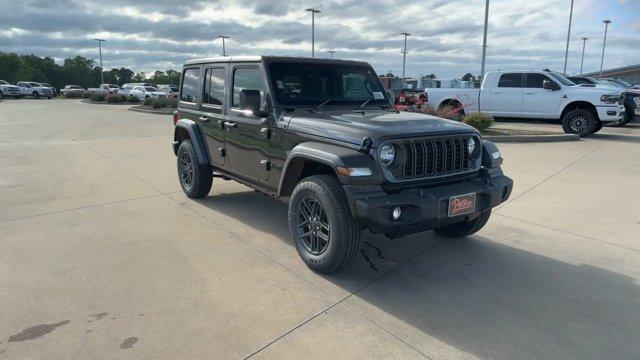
<point x="352" y="126"/>
<point x="606" y="90"/>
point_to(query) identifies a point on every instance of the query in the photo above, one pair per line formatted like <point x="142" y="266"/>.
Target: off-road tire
<point x="465" y="228"/>
<point x="579" y="121"/>
<point x="198" y="184"/>
<point x="598" y="127"/>
<point x="344" y="231"/>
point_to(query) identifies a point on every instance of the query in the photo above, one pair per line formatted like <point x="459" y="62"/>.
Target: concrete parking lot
<point x="102" y="256"/>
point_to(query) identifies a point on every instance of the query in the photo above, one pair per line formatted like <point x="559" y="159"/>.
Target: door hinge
<point x="266" y="133"/>
<point x="266" y="164"/>
<point x="222" y="152"/>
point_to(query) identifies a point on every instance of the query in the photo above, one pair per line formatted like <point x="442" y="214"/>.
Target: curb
<point x="157" y="112"/>
<point x="103" y="102"/>
<point x="531" y="138"/>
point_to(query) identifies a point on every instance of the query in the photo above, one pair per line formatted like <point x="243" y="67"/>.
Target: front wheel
<point x="325" y="234"/>
<point x="579" y="121"/>
<point x="465" y="228"/>
<point x="35" y="95"/>
<point x="195" y="179"/>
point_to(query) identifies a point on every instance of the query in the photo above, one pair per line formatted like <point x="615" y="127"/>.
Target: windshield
<point x="35" y="84"/>
<point x="150" y="88"/>
<point x="561" y="78"/>
<point x="314" y="84"/>
<point x="4" y="82"/>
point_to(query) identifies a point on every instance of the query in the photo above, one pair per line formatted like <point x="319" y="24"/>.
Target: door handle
<point x="529" y="93"/>
<point x="230" y="125"/>
<point x="497" y="92"/>
<point x="204" y="119"/>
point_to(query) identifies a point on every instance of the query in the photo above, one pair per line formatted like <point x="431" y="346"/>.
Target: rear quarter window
<point x="190" y="85"/>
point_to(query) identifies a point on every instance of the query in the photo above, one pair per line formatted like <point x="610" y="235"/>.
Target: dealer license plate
<point x="462" y="204"/>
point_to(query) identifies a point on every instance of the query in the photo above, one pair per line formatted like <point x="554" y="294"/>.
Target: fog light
<point x="396" y="213"/>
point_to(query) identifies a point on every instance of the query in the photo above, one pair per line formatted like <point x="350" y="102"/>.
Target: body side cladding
<point x="188" y="129"/>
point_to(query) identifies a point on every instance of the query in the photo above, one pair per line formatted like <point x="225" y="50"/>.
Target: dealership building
<point x="630" y="74"/>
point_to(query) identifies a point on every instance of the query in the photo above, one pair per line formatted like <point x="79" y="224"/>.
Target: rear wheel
<point x="195" y="179"/>
<point x="466" y="228"/>
<point x="579" y="121"/>
<point x="325" y="234"/>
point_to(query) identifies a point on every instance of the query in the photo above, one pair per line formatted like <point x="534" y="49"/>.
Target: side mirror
<point x="250" y="100"/>
<point x="549" y="85"/>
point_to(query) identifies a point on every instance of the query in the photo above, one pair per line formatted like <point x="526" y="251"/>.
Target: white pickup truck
<point x="34" y="89"/>
<point x="535" y="95"/>
<point x="7" y="89"/>
<point x="104" y="89"/>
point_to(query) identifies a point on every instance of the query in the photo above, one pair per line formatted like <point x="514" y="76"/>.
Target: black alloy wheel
<point x="186" y="170"/>
<point x="313" y="226"/>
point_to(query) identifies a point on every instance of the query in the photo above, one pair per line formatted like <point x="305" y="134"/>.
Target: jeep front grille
<point x="435" y="157"/>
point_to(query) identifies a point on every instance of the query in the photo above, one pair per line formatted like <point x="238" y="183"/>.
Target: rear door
<point x="539" y="102"/>
<point x="246" y="135"/>
<point x="213" y="110"/>
<point x="506" y="97"/>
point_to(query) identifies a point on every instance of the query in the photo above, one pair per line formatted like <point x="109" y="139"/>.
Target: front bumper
<point x="425" y="208"/>
<point x="610" y="114"/>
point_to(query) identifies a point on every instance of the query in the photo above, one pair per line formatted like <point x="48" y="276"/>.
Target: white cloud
<point x="446" y="35"/>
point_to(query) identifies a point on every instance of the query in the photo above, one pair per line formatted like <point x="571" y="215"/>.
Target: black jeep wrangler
<point x="321" y="134"/>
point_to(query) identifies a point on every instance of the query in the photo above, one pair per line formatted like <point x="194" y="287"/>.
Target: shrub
<point x="73" y="94"/>
<point x="172" y="102"/>
<point x="133" y="99"/>
<point x="113" y="98"/>
<point x="479" y="121"/>
<point x="159" y="103"/>
<point x="86" y="95"/>
<point x="447" y="112"/>
<point x="147" y="101"/>
<point x="96" y="97"/>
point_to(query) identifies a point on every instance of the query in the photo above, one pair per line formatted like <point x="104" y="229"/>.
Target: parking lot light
<point x="100" y="41"/>
<point x="604" y="42"/>
<point x="224" y="50"/>
<point x="313" y="29"/>
<point x="584" y="43"/>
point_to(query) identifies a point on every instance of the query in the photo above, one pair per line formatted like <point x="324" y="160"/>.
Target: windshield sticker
<point x="378" y="95"/>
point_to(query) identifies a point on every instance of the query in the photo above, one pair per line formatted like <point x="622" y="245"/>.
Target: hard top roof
<point x="293" y="59"/>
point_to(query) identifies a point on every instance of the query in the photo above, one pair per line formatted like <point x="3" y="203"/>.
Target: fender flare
<point x="331" y="156"/>
<point x="188" y="129"/>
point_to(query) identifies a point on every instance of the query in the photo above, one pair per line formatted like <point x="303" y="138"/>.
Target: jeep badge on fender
<point x="321" y="135"/>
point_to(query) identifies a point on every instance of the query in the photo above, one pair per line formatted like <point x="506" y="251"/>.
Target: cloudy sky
<point x="446" y="34"/>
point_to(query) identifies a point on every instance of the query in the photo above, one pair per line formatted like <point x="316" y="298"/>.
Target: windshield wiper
<point x="365" y="103"/>
<point x="323" y="104"/>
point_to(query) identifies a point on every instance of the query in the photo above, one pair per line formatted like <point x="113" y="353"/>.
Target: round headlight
<point x="387" y="154"/>
<point x="471" y="145"/>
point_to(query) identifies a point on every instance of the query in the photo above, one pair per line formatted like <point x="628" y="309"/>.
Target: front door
<point x="212" y="110"/>
<point x="539" y="102"/>
<point x="246" y="135"/>
<point x="506" y="97"/>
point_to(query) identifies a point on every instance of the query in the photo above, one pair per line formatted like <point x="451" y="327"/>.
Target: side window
<point x="249" y="79"/>
<point x="510" y="80"/>
<point x="190" y="85"/>
<point x="534" y="80"/>
<point x="214" y="86"/>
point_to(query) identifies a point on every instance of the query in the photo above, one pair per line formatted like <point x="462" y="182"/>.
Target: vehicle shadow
<point x="616" y="137"/>
<point x="477" y="296"/>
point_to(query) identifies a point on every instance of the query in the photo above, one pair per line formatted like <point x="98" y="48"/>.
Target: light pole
<point x="100" y="51"/>
<point x="224" y="50"/>
<point x="331" y="52"/>
<point x="313" y="29"/>
<point x="484" y="39"/>
<point x="584" y="42"/>
<point x="566" y="51"/>
<point x="404" y="53"/>
<point x="604" y="42"/>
